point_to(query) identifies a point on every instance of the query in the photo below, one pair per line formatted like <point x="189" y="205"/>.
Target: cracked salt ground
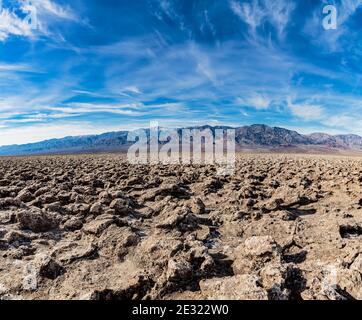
<point x="281" y="227"/>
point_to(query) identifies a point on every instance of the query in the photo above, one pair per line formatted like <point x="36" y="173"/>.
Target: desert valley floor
<point x="96" y="227"/>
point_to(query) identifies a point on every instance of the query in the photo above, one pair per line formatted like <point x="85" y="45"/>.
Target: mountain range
<point x="255" y="137"/>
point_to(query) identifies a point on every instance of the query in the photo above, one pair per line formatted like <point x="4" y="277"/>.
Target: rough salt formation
<point x="95" y="227"/>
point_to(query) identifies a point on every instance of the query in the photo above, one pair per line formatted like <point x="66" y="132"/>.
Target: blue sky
<point x="90" y="66"/>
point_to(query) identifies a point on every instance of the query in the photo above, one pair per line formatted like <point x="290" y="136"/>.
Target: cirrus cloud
<point x="29" y="18"/>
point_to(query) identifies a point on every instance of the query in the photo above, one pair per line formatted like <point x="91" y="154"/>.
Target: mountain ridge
<point x="256" y="136"/>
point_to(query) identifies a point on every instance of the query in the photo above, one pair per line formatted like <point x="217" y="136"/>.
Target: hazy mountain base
<point x="96" y="227"/>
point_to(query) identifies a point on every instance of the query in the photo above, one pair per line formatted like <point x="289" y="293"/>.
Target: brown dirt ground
<point x="95" y="227"/>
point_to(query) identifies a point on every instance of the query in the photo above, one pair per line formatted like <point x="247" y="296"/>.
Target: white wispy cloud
<point x="251" y="14"/>
<point x="15" y="67"/>
<point x="306" y="111"/>
<point x="257" y="101"/>
<point x="11" y="24"/>
<point x="207" y="25"/>
<point x="257" y="12"/>
<point x="203" y="64"/>
<point x="168" y="9"/>
<point x="279" y="13"/>
<point x="34" y="20"/>
<point x="50" y="7"/>
<point x="84" y="108"/>
<point x="132" y="89"/>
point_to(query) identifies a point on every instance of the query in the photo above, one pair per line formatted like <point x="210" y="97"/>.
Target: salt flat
<point x="283" y="226"/>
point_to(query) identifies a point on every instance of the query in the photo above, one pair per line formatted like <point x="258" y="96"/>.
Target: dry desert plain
<point x="97" y="227"/>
